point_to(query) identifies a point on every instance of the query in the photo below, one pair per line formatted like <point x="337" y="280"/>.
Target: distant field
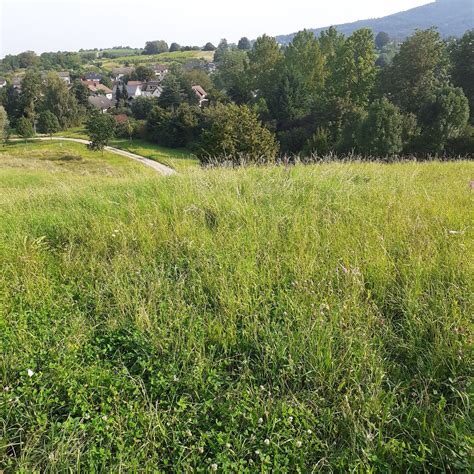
<point x="253" y="320"/>
<point x="177" y="56"/>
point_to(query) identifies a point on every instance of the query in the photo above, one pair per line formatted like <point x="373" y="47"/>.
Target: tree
<point x="355" y="69"/>
<point x="264" y="62"/>
<point x="174" y="47"/>
<point x="31" y="91"/>
<point x="155" y="47"/>
<point x="462" y="55"/>
<point x="301" y="79"/>
<point x="4" y="124"/>
<point x="142" y="73"/>
<point x="209" y="47"/>
<point x="382" y="39"/>
<point x="232" y="76"/>
<point x="233" y="133"/>
<point x="142" y="106"/>
<point x="124" y="93"/>
<point x="61" y="102"/>
<point x="48" y="123"/>
<point x="222" y="47"/>
<point x="25" y="128"/>
<point x="118" y="97"/>
<point x="107" y="82"/>
<point x="244" y="44"/>
<point x="443" y="117"/>
<point x="100" y="129"/>
<point x="172" y="94"/>
<point x="173" y="128"/>
<point x="416" y="71"/>
<point x="381" y="132"/>
<point x="81" y="93"/>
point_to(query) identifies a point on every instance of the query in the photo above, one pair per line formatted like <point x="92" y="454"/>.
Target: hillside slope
<point x="450" y="17"/>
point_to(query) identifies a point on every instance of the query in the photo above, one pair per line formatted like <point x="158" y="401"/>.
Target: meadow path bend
<point x="164" y="170"/>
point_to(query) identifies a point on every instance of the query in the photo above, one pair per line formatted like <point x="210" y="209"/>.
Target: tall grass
<point x="261" y="319"/>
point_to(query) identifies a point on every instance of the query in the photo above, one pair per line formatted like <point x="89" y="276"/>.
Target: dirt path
<point x="164" y="170"/>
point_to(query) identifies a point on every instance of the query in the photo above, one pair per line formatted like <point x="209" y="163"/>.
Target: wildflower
<point x="214" y="467"/>
<point x="290" y="419"/>
<point x="175" y="378"/>
<point x="309" y="432"/>
<point x="6" y="389"/>
<point x="201" y="449"/>
<point x="257" y="452"/>
<point x="299" y="444"/>
<point x="189" y="434"/>
<point x="260" y="421"/>
<point x="104" y="417"/>
<point x="262" y="387"/>
<point x="228" y="445"/>
<point x="30" y="373"/>
<point x="267" y="442"/>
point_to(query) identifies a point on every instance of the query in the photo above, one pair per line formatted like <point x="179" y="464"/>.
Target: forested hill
<point x="450" y="17"/>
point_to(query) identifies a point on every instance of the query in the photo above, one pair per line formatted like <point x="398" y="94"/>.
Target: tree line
<point x="325" y="95"/>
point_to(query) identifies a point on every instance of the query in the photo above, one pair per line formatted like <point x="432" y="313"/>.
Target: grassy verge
<point x="251" y="320"/>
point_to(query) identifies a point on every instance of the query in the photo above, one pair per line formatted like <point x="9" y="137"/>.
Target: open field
<point x="177" y="56"/>
<point x="253" y="320"/>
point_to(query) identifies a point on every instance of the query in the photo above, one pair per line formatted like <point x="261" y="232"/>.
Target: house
<point x="93" y="76"/>
<point x="160" y="71"/>
<point x="201" y="94"/>
<point x="211" y="67"/>
<point x="16" y="82"/>
<point x="119" y="72"/>
<point x="101" y="102"/>
<point x="134" y="89"/>
<point x="3" y="82"/>
<point x="152" y="89"/>
<point x="97" y="88"/>
<point x="64" y="75"/>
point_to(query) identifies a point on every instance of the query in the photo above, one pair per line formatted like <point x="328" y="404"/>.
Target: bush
<point x="381" y="131"/>
<point x="175" y="128"/>
<point x="234" y="134"/>
<point x="292" y="141"/>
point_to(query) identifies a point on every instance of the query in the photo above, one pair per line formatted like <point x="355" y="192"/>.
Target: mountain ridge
<point x="450" y="17"/>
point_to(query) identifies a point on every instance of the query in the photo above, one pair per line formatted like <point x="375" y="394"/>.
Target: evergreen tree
<point x="25" y="129"/>
<point x="48" y="123"/>
<point x="244" y="44"/>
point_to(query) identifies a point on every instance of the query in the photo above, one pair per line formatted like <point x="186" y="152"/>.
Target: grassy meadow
<point x="302" y="319"/>
<point x="174" y="57"/>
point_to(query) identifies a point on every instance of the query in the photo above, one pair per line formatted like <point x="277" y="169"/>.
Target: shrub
<point x="234" y="134"/>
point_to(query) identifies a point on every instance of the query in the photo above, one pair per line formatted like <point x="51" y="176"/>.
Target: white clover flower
<point x="6" y="389"/>
<point x="30" y="373"/>
<point x="260" y="421"/>
<point x="214" y="467"/>
<point x="228" y="445"/>
<point x="201" y="449"/>
<point x="104" y="417"/>
<point x="309" y="432"/>
<point x="175" y="378"/>
<point x="290" y="419"/>
<point x="257" y="452"/>
<point x="267" y="442"/>
<point x="299" y="444"/>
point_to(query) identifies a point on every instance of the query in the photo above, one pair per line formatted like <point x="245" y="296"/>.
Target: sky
<point x="69" y="25"/>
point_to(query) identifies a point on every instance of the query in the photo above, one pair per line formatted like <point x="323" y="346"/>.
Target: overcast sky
<point x="68" y="25"/>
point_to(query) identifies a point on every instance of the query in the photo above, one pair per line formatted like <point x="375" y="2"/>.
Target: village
<point x="104" y="98"/>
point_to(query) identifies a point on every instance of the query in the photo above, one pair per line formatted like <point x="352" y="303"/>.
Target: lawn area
<point x="180" y="160"/>
<point x="251" y="320"/>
